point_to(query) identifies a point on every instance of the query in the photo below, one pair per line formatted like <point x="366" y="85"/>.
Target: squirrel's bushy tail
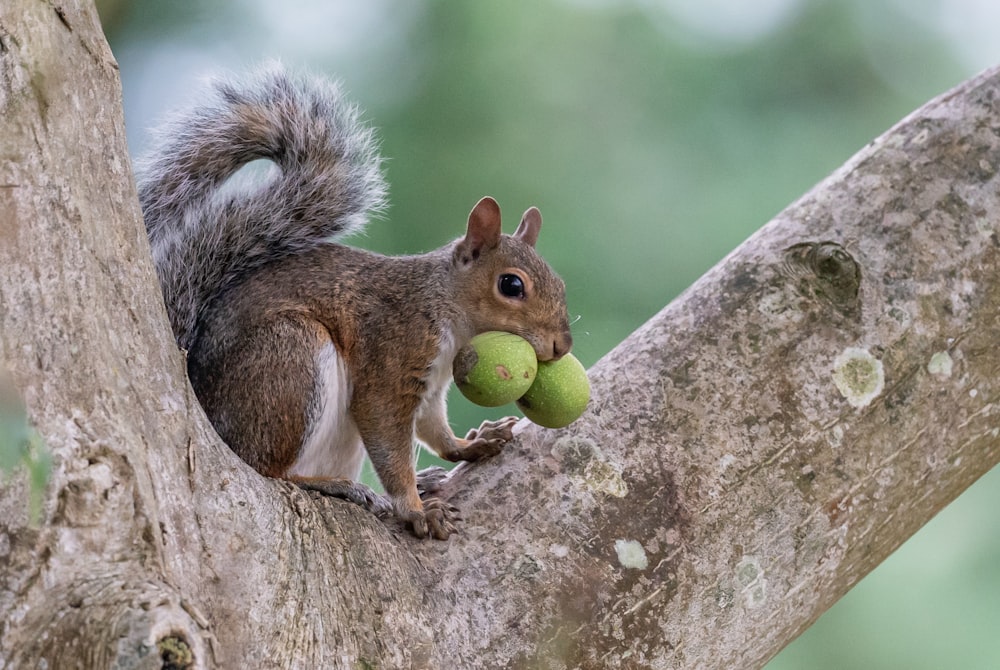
<point x="203" y="235"/>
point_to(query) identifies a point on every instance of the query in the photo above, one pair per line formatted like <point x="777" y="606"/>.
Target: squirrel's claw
<point x="431" y="480"/>
<point x="491" y="431"/>
<point x="437" y="519"/>
<point x="355" y="492"/>
<point x="489" y="438"/>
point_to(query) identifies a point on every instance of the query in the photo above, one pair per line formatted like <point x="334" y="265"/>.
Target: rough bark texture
<point x="750" y="453"/>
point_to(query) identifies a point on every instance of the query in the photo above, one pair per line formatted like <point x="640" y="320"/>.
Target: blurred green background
<point x="654" y="135"/>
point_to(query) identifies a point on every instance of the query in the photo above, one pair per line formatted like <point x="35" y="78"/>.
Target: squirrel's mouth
<point x="552" y="348"/>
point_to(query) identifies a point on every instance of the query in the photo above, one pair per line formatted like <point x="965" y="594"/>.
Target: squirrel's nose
<point x="561" y="345"/>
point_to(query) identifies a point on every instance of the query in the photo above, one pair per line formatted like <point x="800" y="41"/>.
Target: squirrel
<point x="304" y="352"/>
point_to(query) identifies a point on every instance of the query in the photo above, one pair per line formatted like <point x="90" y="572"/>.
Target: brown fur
<point x="253" y="365"/>
<point x="261" y="298"/>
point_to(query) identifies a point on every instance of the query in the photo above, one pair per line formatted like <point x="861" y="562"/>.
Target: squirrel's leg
<point x="331" y="452"/>
<point x="255" y="385"/>
<point x="388" y="438"/>
<point x="393" y="460"/>
<point x="283" y="409"/>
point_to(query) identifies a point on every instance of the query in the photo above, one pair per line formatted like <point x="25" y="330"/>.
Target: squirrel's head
<point x="507" y="286"/>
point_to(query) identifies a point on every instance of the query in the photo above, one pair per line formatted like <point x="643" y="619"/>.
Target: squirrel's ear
<point x="483" y="232"/>
<point x="531" y="223"/>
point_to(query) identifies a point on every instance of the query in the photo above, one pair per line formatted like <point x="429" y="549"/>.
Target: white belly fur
<point x="439" y="375"/>
<point x="333" y="447"/>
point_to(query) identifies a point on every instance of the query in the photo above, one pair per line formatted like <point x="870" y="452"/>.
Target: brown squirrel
<point x="303" y="350"/>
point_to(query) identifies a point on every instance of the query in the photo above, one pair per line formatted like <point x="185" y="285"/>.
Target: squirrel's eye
<point x="511" y="286"/>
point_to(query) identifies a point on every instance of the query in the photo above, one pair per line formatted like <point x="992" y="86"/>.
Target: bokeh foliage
<point x="654" y="139"/>
<point x="22" y="450"/>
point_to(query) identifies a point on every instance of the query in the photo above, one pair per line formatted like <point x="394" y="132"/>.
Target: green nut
<point x="495" y="368"/>
<point x="559" y="394"/>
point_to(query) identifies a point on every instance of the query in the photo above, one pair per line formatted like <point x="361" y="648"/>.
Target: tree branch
<point x="773" y="434"/>
<point x="750" y="453"/>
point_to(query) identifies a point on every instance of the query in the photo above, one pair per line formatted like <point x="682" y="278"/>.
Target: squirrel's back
<point x="206" y="234"/>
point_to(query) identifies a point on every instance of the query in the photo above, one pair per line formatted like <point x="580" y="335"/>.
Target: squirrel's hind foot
<point x="431" y="480"/>
<point x="346" y="489"/>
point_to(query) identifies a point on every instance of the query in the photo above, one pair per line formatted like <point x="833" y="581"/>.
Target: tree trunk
<point x="749" y="454"/>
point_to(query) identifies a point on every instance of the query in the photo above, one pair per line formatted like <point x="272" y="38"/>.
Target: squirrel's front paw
<point x="489" y="438"/>
<point x="436" y="519"/>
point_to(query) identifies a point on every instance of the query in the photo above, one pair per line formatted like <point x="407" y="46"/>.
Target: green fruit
<point x="559" y="395"/>
<point x="495" y="368"/>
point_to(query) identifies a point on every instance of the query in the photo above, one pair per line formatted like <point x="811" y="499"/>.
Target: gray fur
<point x="204" y="234"/>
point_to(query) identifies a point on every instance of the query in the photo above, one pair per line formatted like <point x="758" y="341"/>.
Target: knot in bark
<point x="827" y="271"/>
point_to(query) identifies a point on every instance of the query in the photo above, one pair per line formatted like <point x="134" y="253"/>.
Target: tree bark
<point x="749" y="454"/>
